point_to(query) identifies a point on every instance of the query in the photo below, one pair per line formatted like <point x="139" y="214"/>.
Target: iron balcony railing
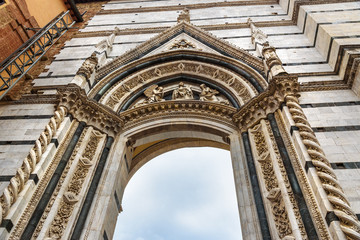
<point x="24" y="58"/>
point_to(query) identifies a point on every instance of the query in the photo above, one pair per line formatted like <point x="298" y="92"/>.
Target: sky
<point x="187" y="194"/>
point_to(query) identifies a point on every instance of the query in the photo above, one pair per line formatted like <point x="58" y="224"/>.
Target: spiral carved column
<point x="349" y="223"/>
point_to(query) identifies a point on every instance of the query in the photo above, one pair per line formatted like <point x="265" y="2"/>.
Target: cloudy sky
<point x="183" y="194"/>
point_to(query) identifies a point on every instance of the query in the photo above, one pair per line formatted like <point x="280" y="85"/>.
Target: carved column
<point x="324" y="176"/>
<point x="282" y="212"/>
<point x="66" y="202"/>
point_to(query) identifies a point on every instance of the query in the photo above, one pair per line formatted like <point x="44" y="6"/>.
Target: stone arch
<point x="238" y="79"/>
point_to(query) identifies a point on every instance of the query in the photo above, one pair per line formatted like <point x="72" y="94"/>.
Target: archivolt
<point x="239" y="80"/>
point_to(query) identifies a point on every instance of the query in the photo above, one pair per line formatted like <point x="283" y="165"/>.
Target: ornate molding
<point x="302" y="177"/>
<point x="75" y="186"/>
<point x="59" y="184"/>
<point x="17" y="183"/>
<point x="179" y="28"/>
<point x="206" y="110"/>
<point x="267" y="102"/>
<point x="83" y="109"/>
<point x="24" y="219"/>
<point x="239" y="86"/>
<point x="271" y="184"/>
<point x="287" y="183"/>
<point x="349" y="223"/>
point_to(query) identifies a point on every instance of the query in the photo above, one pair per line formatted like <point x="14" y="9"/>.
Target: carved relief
<point x="182" y="92"/>
<point x="184" y="16"/>
<point x="88" y="66"/>
<point x="182" y="44"/>
<point x="240" y="86"/>
<point x="208" y="94"/>
<point x="59" y="185"/>
<point x="76" y="184"/>
<point x="153" y="94"/>
<point x="274" y="195"/>
<point x="287" y="183"/>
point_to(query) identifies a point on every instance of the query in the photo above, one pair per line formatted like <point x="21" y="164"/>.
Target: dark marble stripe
<point x="40" y="208"/>
<point x="92" y="191"/>
<point x="264" y="226"/>
<point x="295" y="186"/>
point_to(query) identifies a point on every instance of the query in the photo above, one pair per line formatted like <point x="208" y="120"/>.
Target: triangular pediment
<point x="182" y="36"/>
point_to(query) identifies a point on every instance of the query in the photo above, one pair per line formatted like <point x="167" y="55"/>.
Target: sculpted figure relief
<point x="208" y="94"/>
<point x="182" y="92"/>
<point x="154" y="93"/>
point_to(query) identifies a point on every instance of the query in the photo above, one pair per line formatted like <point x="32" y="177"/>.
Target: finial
<point x="184" y="15"/>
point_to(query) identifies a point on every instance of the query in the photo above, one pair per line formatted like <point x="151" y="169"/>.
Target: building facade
<point x="276" y="83"/>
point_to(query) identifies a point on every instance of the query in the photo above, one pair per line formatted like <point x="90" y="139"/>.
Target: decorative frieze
<point x="271" y="183"/>
<point x="239" y="85"/>
<point x="75" y="186"/>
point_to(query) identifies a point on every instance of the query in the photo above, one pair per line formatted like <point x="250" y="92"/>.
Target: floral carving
<point x="70" y="197"/>
<point x="87" y="110"/>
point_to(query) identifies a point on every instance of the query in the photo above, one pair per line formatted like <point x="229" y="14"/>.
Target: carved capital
<point x="83" y="109"/>
<point x="267" y="102"/>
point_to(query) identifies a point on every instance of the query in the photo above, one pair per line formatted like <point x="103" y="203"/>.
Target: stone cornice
<point x="267" y="102"/>
<point x="206" y="110"/>
<point x="83" y="109"/>
<point x="188" y="6"/>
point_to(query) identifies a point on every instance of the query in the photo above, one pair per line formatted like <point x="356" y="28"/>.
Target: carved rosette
<point x="349" y="223"/>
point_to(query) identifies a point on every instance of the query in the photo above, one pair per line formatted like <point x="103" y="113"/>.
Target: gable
<point x="183" y="30"/>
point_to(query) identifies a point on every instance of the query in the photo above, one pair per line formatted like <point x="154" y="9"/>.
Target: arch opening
<point x="187" y="193"/>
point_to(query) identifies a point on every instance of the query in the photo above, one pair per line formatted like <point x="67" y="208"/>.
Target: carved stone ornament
<point x="267" y="102"/>
<point x="88" y="66"/>
<point x="83" y="109"/>
<point x="184" y="16"/>
<point x="257" y="36"/>
<point x="182" y="93"/>
<point x="208" y="94"/>
<point x="272" y="61"/>
<point x="167" y="34"/>
<point x="182" y="44"/>
<point x="235" y="83"/>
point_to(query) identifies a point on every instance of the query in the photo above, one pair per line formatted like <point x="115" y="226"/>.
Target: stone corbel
<point x="83" y="109"/>
<point x="267" y="102"/>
